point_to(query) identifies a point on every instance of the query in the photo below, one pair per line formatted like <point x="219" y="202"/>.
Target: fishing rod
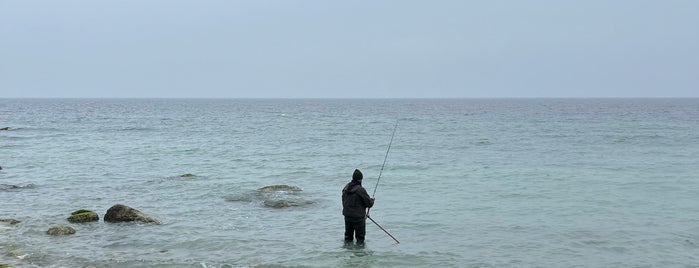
<point x="377" y="183"/>
<point x="385" y="157"/>
<point x="382" y="229"/>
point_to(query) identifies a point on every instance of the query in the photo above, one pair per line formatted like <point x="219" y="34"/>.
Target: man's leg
<point x="349" y="230"/>
<point x="360" y="230"/>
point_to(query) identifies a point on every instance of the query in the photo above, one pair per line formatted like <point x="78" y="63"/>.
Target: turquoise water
<point x="467" y="183"/>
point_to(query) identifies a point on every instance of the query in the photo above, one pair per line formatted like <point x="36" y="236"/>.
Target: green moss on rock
<point x="83" y="215"/>
<point x="122" y="213"/>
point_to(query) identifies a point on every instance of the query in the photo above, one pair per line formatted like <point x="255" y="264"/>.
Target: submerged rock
<point x="10" y="221"/>
<point x="5" y="128"/>
<point x="17" y="253"/>
<point x="273" y="196"/>
<point x="14" y="187"/>
<point x="282" y="196"/>
<point x="83" y="215"/>
<point x="187" y="175"/>
<point x="280" y="188"/>
<point x="61" y="230"/>
<point x="285" y="203"/>
<point x="122" y="213"/>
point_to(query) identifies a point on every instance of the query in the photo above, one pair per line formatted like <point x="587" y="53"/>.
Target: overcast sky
<point x="355" y="49"/>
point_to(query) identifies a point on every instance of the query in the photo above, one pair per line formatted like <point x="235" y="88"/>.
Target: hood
<point x="352" y="187"/>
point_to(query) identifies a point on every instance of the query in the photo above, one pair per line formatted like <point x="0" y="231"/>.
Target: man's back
<point x="355" y="200"/>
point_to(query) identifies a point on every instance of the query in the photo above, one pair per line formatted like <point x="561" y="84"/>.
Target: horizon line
<point x="350" y="98"/>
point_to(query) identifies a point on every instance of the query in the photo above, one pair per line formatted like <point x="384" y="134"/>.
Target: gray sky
<point x="357" y="49"/>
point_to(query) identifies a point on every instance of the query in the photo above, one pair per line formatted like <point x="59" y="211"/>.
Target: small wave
<point x="135" y="129"/>
<point x="239" y="198"/>
<point x="183" y="177"/>
<point x="482" y="142"/>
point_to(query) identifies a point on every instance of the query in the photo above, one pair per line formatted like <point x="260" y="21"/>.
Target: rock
<point x="122" y="213"/>
<point x="10" y="221"/>
<point x="282" y="196"/>
<point x="61" y="230"/>
<point x="5" y="128"/>
<point x="285" y="203"/>
<point x="17" y="253"/>
<point x="16" y="187"/>
<point x="280" y="188"/>
<point x="187" y="175"/>
<point x="2" y="265"/>
<point x="83" y="215"/>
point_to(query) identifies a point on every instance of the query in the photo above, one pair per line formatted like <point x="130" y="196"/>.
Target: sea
<point x="466" y="182"/>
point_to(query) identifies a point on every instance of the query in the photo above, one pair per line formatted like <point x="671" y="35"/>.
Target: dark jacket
<point x="355" y="200"/>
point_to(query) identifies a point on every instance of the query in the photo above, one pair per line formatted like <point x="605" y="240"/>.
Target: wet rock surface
<point x="122" y="213"/>
<point x="61" y="230"/>
<point x="80" y="216"/>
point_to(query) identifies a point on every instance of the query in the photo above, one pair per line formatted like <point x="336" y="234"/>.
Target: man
<point x="355" y="201"/>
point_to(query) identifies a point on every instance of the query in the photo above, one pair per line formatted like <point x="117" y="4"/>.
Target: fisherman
<point x="355" y="201"/>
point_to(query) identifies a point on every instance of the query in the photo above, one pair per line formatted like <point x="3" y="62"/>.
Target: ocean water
<point x="467" y="182"/>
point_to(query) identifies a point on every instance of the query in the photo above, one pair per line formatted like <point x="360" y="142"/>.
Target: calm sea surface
<point x="467" y="183"/>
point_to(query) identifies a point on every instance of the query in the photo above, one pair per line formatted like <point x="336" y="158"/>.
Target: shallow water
<point x="468" y="182"/>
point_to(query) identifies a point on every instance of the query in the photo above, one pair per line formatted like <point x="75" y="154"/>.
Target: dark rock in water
<point x="5" y="128"/>
<point x="10" y="221"/>
<point x="0" y="167"/>
<point x="61" y="230"/>
<point x="122" y="213"/>
<point x="280" y="188"/>
<point x="282" y="196"/>
<point x="187" y="175"/>
<point x="14" y="187"/>
<point x="285" y="203"/>
<point x="274" y="196"/>
<point x="83" y="215"/>
<point x="17" y="253"/>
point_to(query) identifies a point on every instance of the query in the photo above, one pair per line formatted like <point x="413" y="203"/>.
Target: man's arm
<point x="366" y="199"/>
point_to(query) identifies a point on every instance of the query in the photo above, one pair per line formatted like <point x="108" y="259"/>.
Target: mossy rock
<point x="2" y="265"/>
<point x="122" y="213"/>
<point x="61" y="230"/>
<point x="280" y="188"/>
<point x="80" y="216"/>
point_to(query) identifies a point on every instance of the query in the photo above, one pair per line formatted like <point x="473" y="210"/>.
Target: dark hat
<point x="357" y="175"/>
